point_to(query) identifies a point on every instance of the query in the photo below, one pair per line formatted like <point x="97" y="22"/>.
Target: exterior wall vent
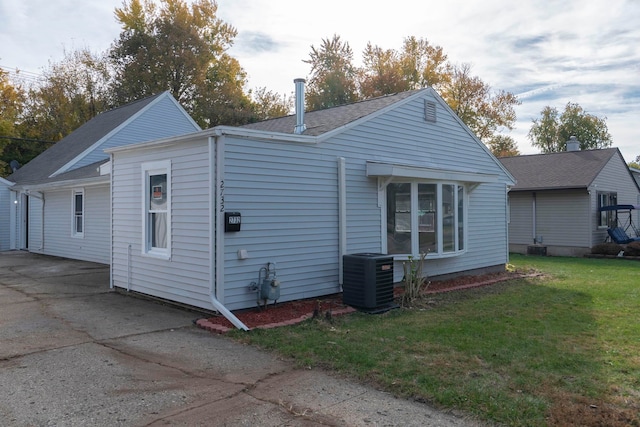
<point x="430" y="111"/>
<point x="368" y="281"/>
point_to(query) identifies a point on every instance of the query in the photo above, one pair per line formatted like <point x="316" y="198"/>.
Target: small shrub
<point x="609" y="248"/>
<point x="414" y="280"/>
<point x="632" y="249"/>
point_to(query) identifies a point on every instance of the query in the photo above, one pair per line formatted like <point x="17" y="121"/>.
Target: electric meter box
<point x="232" y="221"/>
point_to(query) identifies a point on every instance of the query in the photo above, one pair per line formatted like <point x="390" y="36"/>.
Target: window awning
<point x="391" y="170"/>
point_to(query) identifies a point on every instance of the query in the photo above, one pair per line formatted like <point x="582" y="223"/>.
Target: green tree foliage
<point x="551" y="131"/>
<point x="635" y="163"/>
<point x="269" y="105"/>
<point x="72" y="92"/>
<point x="416" y="65"/>
<point x="178" y="47"/>
<point x="12" y="99"/>
<point x="333" y="75"/>
<point x="480" y="108"/>
<point x="503" y="146"/>
<point x="382" y="73"/>
<point x="424" y="64"/>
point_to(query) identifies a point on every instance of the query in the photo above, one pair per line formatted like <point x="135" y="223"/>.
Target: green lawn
<point x="563" y="349"/>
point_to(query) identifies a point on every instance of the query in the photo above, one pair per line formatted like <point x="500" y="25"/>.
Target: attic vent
<point x="430" y="111"/>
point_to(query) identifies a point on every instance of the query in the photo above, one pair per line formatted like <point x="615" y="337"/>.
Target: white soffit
<point x="390" y="170"/>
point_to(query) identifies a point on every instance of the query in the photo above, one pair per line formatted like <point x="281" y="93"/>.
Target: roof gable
<point x="320" y="122"/>
<point x="322" y="125"/>
<point x="88" y="138"/>
<point x="554" y="171"/>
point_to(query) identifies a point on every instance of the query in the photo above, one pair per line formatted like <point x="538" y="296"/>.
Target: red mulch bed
<point x="288" y="313"/>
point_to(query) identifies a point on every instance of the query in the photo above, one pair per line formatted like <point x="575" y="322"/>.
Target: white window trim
<point x="598" y="218"/>
<point x="74" y="233"/>
<point x="414" y="225"/>
<point x="148" y="169"/>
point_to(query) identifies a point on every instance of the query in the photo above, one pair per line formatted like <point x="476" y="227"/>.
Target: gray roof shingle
<point x="40" y="168"/>
<point x="554" y="171"/>
<point x="322" y="121"/>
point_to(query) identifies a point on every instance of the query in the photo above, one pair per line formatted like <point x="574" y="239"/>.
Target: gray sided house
<point x="60" y="202"/>
<point x="555" y="203"/>
<point x="6" y="211"/>
<point x="197" y="218"/>
<point x="636" y="175"/>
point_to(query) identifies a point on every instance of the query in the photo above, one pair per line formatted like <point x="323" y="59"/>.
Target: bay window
<point x="425" y="217"/>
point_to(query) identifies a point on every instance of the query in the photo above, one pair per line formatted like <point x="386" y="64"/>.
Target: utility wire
<point x="14" y="138"/>
<point x="26" y="76"/>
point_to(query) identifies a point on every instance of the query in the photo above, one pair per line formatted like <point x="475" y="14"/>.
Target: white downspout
<point x="13" y="217"/>
<point x="507" y="212"/>
<point x="216" y="230"/>
<point x="342" y="216"/>
<point x="533" y="216"/>
<point x="111" y="161"/>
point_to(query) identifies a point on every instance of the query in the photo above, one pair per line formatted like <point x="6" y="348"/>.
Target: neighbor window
<point x="156" y="212"/>
<point x="607" y="218"/>
<point x="77" y="215"/>
<point x="425" y="218"/>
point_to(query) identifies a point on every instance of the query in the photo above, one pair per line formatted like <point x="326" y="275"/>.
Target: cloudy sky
<point x="546" y="52"/>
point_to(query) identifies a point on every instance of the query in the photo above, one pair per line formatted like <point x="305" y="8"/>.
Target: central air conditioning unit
<point x="368" y="282"/>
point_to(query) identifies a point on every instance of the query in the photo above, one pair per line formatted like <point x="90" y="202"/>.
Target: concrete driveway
<point x="75" y="353"/>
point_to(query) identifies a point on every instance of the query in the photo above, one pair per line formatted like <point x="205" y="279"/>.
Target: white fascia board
<point x="215" y="132"/>
<point x="390" y="170"/>
<point x="172" y="140"/>
<point x="86" y="182"/>
<point x="6" y="182"/>
<point x="105" y="168"/>
<point x="95" y="145"/>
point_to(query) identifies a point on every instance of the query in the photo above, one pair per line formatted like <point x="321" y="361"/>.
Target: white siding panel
<point x="521" y="218"/>
<point x="94" y="245"/>
<point x="35" y="225"/>
<point x="5" y="215"/>
<point x="162" y="119"/>
<point x="287" y="194"/>
<point x="184" y="278"/>
<point x="563" y="218"/>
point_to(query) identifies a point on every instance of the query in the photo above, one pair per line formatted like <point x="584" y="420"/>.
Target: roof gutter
<point x="63" y="184"/>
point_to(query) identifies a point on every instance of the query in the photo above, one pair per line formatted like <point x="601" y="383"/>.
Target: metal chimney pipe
<point x="300" y="126"/>
<point x="573" y="144"/>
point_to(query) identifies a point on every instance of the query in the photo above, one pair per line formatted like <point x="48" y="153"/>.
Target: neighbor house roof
<point x="555" y="171"/>
<point x="321" y="121"/>
<point x="41" y="168"/>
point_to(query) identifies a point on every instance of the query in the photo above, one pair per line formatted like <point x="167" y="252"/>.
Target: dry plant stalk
<point x="414" y="281"/>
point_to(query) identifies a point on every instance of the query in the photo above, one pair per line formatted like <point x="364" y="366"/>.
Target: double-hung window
<point x="77" y="214"/>
<point x="606" y="218"/>
<point x="425" y="217"/>
<point x="156" y="182"/>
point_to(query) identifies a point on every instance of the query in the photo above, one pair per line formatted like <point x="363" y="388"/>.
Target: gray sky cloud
<point x="256" y="42"/>
<point x="549" y="53"/>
